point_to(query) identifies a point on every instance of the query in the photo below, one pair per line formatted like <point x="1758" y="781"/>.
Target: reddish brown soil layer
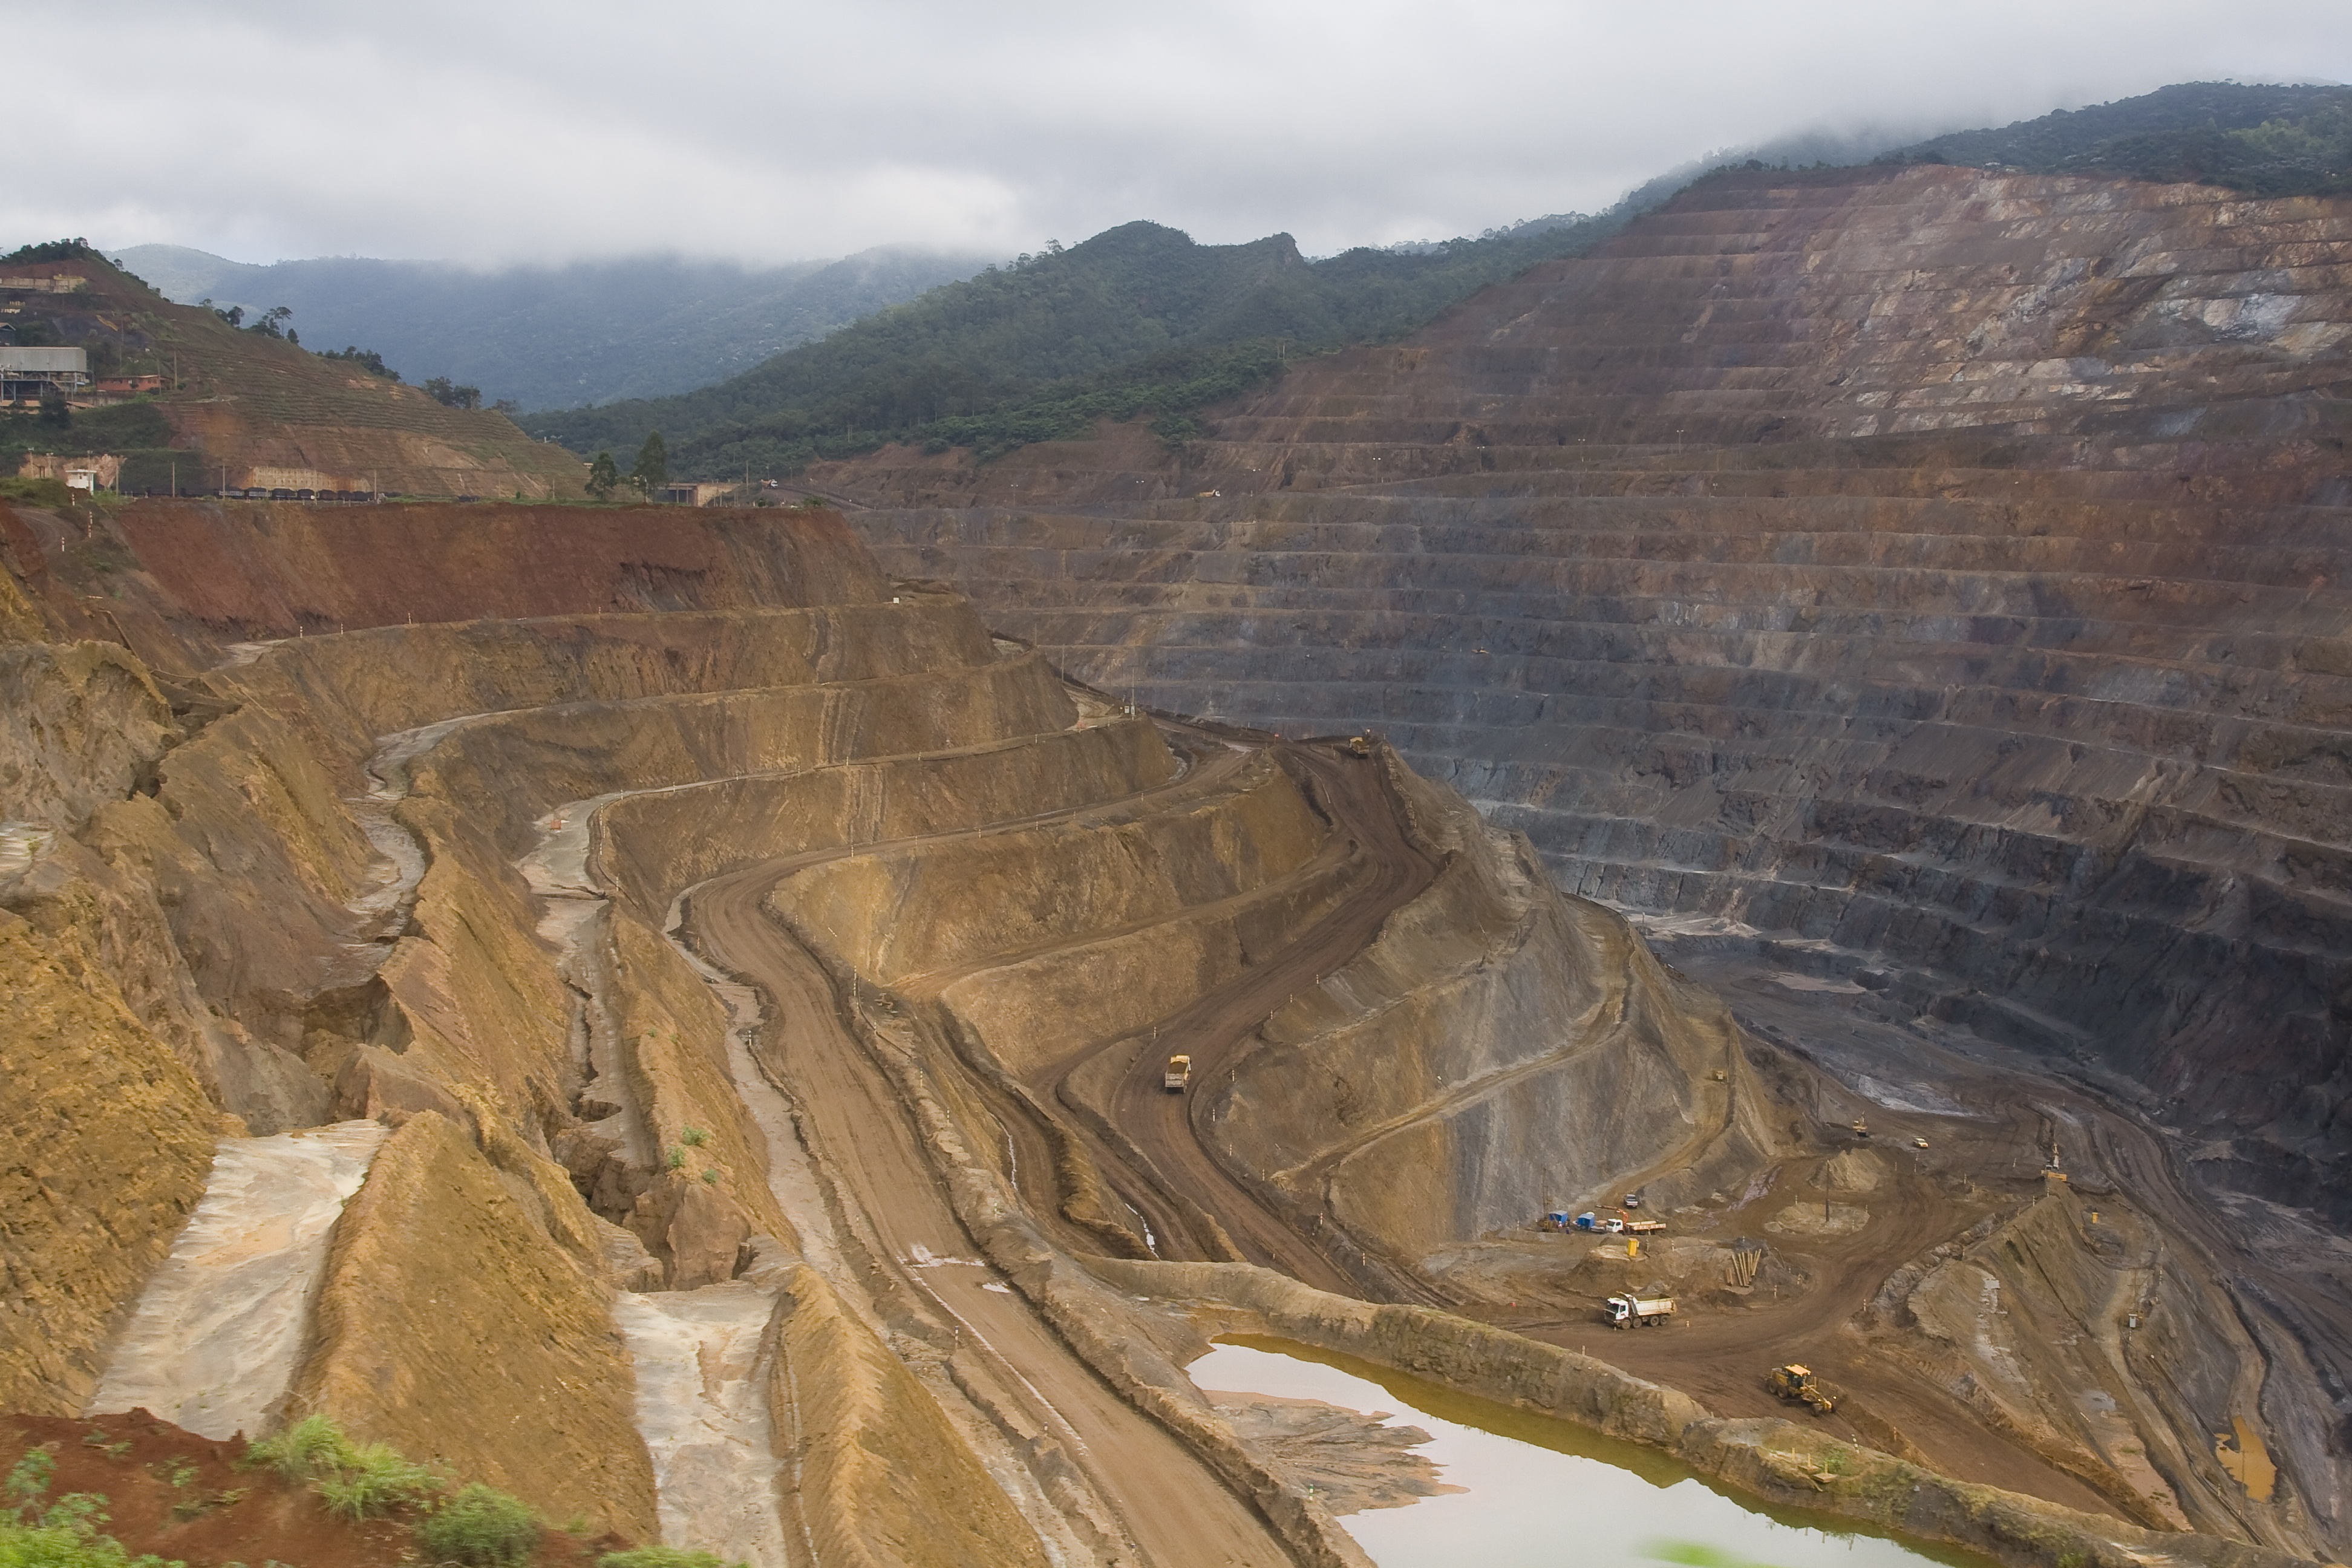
<point x="186" y="1499"/>
<point x="265" y="570"/>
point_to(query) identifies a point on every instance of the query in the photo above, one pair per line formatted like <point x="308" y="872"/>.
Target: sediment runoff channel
<point x="1535" y="1493"/>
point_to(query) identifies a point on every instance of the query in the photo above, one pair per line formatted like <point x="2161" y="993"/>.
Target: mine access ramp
<point x="1635" y="1312"/>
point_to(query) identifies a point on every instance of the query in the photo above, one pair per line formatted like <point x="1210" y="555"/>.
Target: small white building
<point x="99" y="473"/>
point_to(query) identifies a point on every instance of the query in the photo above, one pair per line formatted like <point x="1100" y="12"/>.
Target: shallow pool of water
<point x="1543" y="1493"/>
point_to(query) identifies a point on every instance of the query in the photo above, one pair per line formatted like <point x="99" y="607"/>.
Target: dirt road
<point x="1163" y="1147"/>
<point x="1177" y="1511"/>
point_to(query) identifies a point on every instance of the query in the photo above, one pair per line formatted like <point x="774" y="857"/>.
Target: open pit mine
<point x="673" y="1013"/>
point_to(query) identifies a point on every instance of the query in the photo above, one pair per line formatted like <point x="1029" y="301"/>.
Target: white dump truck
<point x="1633" y="1311"/>
<point x="1179" y="1075"/>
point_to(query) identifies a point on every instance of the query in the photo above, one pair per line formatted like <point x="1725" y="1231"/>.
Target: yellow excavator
<point x="1795" y="1384"/>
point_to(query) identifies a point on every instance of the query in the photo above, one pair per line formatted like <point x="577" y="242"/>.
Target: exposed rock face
<point x="2079" y="1292"/>
<point x="1942" y="572"/>
<point x="80" y="725"/>
<point x="1555" y="1023"/>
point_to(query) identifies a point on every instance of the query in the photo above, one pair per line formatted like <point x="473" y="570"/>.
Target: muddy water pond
<point x="1541" y="1493"/>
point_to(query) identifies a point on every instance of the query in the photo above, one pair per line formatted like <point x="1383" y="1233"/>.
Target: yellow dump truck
<point x="1179" y="1075"/>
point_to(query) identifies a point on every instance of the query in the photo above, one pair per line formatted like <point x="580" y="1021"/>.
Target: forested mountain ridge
<point x="1139" y="319"/>
<point x="2267" y="139"/>
<point x="557" y="337"/>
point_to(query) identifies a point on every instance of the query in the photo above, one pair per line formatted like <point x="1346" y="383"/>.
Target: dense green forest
<point x="1137" y="320"/>
<point x="2266" y="140"/>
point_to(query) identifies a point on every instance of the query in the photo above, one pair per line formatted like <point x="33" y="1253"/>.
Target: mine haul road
<point x="1166" y="1146"/>
<point x="1177" y="1510"/>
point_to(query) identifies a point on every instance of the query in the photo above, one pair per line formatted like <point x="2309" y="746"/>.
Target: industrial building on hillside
<point x="28" y="373"/>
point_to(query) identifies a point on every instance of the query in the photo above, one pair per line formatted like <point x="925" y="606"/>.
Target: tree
<point x="54" y="410"/>
<point x="367" y="360"/>
<point x="652" y="471"/>
<point x="442" y="391"/>
<point x="604" y="477"/>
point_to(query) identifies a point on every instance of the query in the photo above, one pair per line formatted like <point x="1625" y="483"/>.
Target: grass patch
<point x="36" y="492"/>
<point x="663" y="1557"/>
<point x="377" y="1480"/>
<point x="355" y="1480"/>
<point x="479" y="1527"/>
<point x="311" y="1447"/>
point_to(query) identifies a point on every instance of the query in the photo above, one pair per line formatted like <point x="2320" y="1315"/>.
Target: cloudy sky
<point x="490" y="131"/>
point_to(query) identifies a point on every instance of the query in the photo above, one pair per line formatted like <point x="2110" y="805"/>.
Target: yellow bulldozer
<point x="1795" y="1384"/>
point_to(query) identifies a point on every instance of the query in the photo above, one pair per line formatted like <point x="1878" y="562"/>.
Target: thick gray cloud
<point x="508" y="130"/>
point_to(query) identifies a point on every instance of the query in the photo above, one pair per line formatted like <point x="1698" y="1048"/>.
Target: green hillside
<point x="2267" y="141"/>
<point x="1139" y="320"/>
